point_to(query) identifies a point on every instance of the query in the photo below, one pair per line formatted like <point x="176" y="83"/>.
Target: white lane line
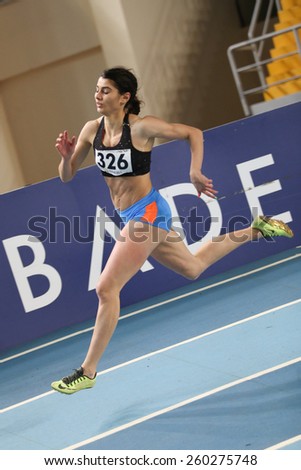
<point x="45" y="345"/>
<point x="286" y="443"/>
<point x="25" y="402"/>
<point x="203" y="335"/>
<point x="150" y="307"/>
<point x="181" y="404"/>
<point x="167" y="348"/>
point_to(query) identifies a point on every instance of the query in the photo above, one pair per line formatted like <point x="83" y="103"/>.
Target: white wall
<point x="50" y="59"/>
<point x="34" y="33"/>
<point x="53" y="51"/>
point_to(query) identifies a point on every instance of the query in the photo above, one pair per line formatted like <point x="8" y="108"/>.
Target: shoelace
<point x="77" y="374"/>
<point x="270" y="232"/>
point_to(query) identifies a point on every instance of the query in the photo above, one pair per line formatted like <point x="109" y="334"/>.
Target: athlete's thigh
<point x="174" y="254"/>
<point x="136" y="242"/>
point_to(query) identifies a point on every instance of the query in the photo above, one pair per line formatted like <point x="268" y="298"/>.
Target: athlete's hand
<point x="203" y="184"/>
<point x="65" y="146"/>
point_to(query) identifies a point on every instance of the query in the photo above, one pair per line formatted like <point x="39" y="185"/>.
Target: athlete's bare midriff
<point x="126" y="190"/>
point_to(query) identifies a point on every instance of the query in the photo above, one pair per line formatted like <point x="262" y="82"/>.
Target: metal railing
<point x="268" y="16"/>
<point x="257" y="50"/>
<point x="258" y="64"/>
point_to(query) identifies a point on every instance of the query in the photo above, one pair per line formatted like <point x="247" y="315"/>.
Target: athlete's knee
<point x="105" y="290"/>
<point x="192" y="275"/>
<point x="192" y="271"/>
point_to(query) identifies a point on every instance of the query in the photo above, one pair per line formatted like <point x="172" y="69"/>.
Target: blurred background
<point x="52" y="53"/>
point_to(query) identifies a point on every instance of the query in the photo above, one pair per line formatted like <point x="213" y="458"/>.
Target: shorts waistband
<point x="140" y="201"/>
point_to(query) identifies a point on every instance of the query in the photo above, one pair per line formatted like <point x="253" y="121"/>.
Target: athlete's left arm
<point x="152" y="127"/>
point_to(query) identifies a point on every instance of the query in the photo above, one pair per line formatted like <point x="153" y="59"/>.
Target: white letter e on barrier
<point x="252" y="192"/>
<point x="38" y="267"/>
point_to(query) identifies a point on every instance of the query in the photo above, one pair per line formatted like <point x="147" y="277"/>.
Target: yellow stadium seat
<point x="281" y="69"/>
<point x="274" y="92"/>
<point x="287" y="4"/>
<point x="290" y="87"/>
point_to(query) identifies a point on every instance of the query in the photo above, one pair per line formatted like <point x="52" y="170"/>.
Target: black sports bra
<point x="123" y="159"/>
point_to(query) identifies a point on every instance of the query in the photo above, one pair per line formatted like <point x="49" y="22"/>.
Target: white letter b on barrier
<point x="38" y="267"/>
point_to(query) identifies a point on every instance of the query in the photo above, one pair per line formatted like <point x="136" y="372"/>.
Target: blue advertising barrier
<point x="57" y="237"/>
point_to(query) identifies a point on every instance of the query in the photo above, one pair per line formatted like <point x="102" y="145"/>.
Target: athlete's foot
<point x="272" y="227"/>
<point x="74" y="382"/>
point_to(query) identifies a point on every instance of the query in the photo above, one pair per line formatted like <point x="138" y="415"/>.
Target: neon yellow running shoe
<point x="74" y="382"/>
<point x="272" y="227"/>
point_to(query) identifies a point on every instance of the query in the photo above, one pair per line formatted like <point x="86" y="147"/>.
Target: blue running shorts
<point x="152" y="209"/>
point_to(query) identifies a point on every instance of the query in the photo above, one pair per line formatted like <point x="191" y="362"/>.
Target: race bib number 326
<point x="115" y="162"/>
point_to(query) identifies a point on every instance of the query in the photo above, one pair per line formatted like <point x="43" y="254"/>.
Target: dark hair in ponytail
<point x="125" y="81"/>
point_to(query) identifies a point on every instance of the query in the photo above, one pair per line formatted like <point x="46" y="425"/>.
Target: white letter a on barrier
<point x="38" y="267"/>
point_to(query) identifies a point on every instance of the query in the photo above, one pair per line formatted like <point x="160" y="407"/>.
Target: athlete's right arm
<point x="73" y="152"/>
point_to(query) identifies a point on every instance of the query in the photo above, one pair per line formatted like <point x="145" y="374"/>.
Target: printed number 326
<point x="112" y="162"/>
